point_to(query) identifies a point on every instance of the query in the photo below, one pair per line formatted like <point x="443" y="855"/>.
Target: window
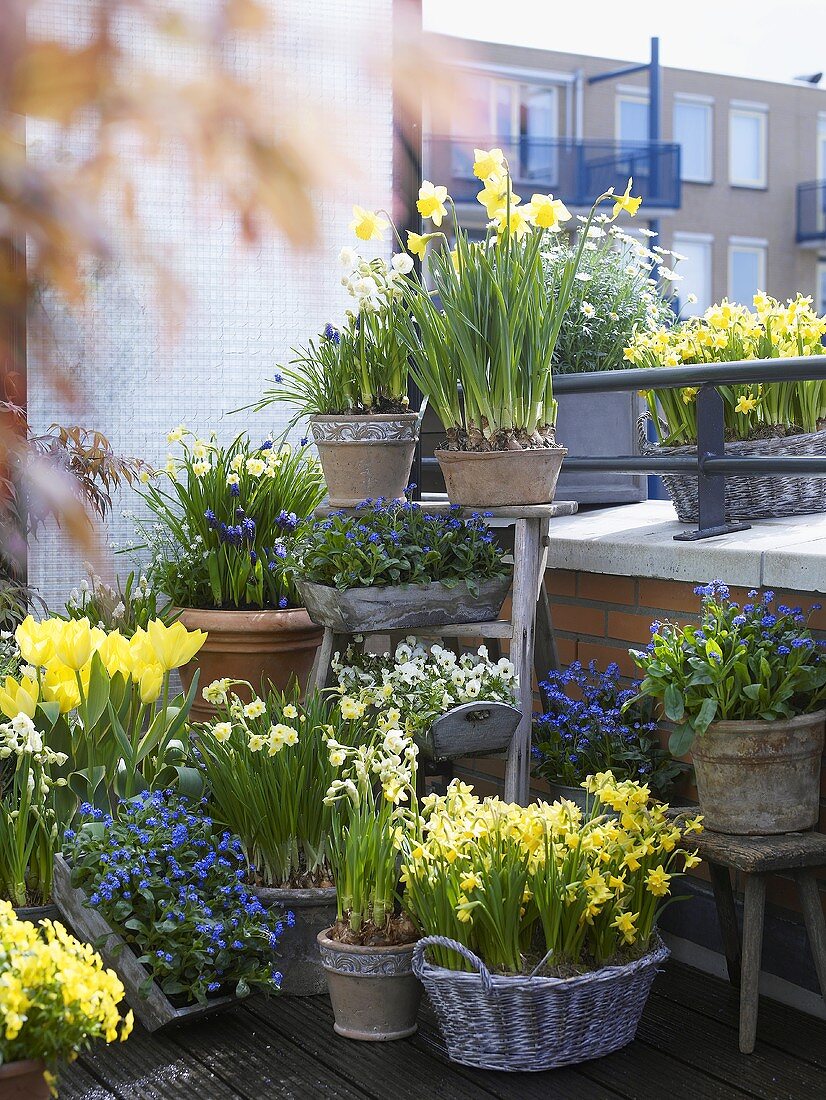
<point x="693" y="128"/>
<point x="746" y="269"/>
<point x="632" y="117"/>
<point x="537" y="130"/>
<point x="747" y="146"/>
<point x="820" y="294"/>
<point x="695" y="270"/>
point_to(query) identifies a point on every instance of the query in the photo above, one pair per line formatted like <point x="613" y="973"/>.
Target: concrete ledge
<point x="637" y="540"/>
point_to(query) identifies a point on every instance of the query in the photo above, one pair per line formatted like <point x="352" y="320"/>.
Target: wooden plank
<point x="496" y="628"/>
<point x="815" y="924"/>
<point x="727" y="916"/>
<point x="642" y="1072"/>
<point x="762" y="853"/>
<point x="76" y="1083"/>
<point x="767" y="1073"/>
<point x="797" y="1033"/>
<point x="379" y="1070"/>
<point x="443" y="507"/>
<point x="754" y="910"/>
<point x="526" y="558"/>
<point x="255" y="1061"/>
<point x="153" y="1009"/>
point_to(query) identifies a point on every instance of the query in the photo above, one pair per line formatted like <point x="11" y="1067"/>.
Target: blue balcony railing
<point x="575" y="171"/>
<point x="811" y="211"/>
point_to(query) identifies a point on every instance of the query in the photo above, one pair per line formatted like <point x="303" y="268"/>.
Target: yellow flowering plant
<point x="223" y="519"/>
<point x="482" y="334"/>
<point x="103" y="703"/>
<point x="544" y="886"/>
<point x="56" y="997"/>
<point x="730" y="333"/>
<point x="373" y="801"/>
<point x="267" y="769"/>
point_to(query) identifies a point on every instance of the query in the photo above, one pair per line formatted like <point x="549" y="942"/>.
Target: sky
<point x="766" y="39"/>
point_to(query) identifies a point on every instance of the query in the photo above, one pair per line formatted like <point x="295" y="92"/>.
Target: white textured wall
<point x="247" y="306"/>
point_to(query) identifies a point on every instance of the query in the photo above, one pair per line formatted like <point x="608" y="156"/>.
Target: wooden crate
<point x="153" y="1009"/>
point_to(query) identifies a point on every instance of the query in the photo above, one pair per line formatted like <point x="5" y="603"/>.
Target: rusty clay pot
<point x="760" y="778"/>
<point x="501" y="479"/>
<point x="374" y="992"/>
<point x="24" y="1080"/>
<point x="365" y="456"/>
<point x="249" y="645"/>
<point x="314" y="909"/>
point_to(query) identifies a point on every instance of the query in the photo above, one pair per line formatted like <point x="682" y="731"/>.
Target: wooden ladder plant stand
<point x="757" y="857"/>
<point x="529" y="629"/>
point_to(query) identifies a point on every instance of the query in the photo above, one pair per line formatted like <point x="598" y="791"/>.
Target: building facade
<point x="735" y="181"/>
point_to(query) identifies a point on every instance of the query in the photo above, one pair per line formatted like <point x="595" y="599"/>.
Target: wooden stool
<point x="756" y="857"/>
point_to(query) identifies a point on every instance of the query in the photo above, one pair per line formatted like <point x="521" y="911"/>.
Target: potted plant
<point x="181" y="928"/>
<point x="482" y="334"/>
<point x="621" y="287"/>
<point x="776" y="418"/>
<point x="57" y="1000"/>
<point x="394" y="565"/>
<point x="367" y="952"/>
<point x="746" y="691"/>
<point x="352" y="381"/>
<point x="592" y="724"/>
<point x="224" y="519"/>
<point x="538" y="922"/>
<point x="268" y="769"/>
<point x="450" y="705"/>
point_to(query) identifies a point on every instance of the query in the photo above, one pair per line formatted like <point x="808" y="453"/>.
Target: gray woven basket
<point x="527" y="1024"/>
<point x="759" y="496"/>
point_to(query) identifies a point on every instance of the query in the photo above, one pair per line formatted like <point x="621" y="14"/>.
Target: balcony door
<point x="821" y="172"/>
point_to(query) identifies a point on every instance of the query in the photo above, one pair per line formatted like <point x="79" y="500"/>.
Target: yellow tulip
<point x="35" y="641"/>
<point x="151" y="683"/>
<point x="366" y="225"/>
<point x="626" y="202"/>
<point x="115" y="653"/>
<point x="431" y="202"/>
<point x="174" y="645"/>
<point x="74" y="643"/>
<point x="19" y="698"/>
<point x="140" y="649"/>
<point x="59" y="686"/>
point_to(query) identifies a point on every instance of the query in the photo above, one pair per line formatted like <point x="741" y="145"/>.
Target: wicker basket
<point x="529" y="1024"/>
<point x="758" y="496"/>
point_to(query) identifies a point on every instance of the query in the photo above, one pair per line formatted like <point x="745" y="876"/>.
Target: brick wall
<point x="598" y="617"/>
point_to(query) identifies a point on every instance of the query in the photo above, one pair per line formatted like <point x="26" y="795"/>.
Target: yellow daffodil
<point x="174" y="645"/>
<point x="657" y="881"/>
<point x="746" y="404"/>
<point x="546" y="212"/>
<point x="431" y="202"/>
<point x="417" y="243"/>
<point x="513" y="222"/>
<point x="19" y="697"/>
<point x="367" y="225"/>
<point x="626" y="202"/>
<point x="487" y="163"/>
<point x="255" y="708"/>
<point x="222" y="731"/>
<point x="625" y="922"/>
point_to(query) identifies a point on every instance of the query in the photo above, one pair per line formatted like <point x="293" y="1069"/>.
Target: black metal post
<point x="711" y="488"/>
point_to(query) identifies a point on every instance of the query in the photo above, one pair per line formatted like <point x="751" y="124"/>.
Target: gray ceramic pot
<point x="314" y="910"/>
<point x="365" y="456"/>
<point x="374" y="992"/>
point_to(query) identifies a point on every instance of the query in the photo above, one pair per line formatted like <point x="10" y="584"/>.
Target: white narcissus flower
<point x="348" y="258"/>
<point x="402" y="263"/>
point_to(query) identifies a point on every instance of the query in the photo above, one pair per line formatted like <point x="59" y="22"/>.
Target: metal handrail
<point x="797" y="369"/>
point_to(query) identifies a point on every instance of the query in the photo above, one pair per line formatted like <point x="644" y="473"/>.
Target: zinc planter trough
<point x="153" y="1009"/>
<point x="365" y="456"/>
<point x="314" y="910"/>
<point x="501" y="479"/>
<point x="760" y="778"/>
<point x="471" y="729"/>
<point x="401" y="607"/>
<point x="373" y="990"/>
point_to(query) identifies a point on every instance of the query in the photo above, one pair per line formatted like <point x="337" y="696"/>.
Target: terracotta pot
<point x="24" y="1080"/>
<point x="760" y="778"/>
<point x="402" y="606"/>
<point x="501" y="479"/>
<point x="314" y="910"/>
<point x="365" y="456"/>
<point x="374" y="992"/>
<point x="249" y="645"/>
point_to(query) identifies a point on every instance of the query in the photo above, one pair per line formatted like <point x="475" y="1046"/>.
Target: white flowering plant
<point x="29" y="828"/>
<point x="622" y="287"/>
<point x="224" y="517"/>
<point x="125" y="606"/>
<point x="360" y="367"/>
<point x="373" y="799"/>
<point x="268" y="768"/>
<point x="414" y="684"/>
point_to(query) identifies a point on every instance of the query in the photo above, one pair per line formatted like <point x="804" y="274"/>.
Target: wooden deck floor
<point x="686" y="1049"/>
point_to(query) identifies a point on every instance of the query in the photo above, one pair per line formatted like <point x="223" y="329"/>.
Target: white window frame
<point x="680" y="237"/>
<point x="688" y="98"/>
<point x="759" y="111"/>
<point x="756" y="245"/>
<point x="626" y="93"/>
